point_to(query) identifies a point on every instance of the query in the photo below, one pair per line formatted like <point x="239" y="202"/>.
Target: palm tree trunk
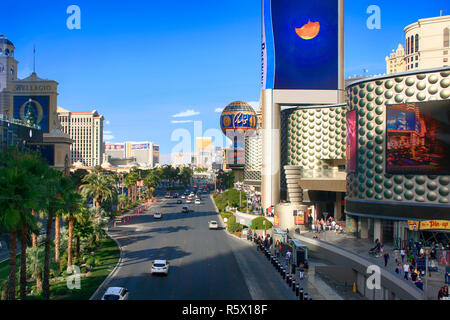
<point x="69" y="245"/>
<point x="33" y="235"/>
<point x="57" y="238"/>
<point x="46" y="282"/>
<point x="23" y="262"/>
<point x="129" y="194"/>
<point x="12" y="265"/>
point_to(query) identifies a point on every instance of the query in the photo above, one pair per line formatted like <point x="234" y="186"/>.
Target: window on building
<point x="417" y="43"/>
<point x="445" y="59"/>
<point x="412" y="44"/>
<point x="445" y="52"/>
<point x="417" y="65"/>
<point x="446" y="37"/>
<point x="407" y="45"/>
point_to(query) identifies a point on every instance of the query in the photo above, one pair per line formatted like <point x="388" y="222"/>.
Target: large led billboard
<point x="300" y="44"/>
<point x="37" y="105"/>
<point x="351" y="151"/>
<point x="418" y="138"/>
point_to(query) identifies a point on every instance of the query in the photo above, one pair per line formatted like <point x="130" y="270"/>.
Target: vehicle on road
<point x="167" y="195"/>
<point x="175" y="195"/>
<point x="116" y="293"/>
<point x="157" y="215"/>
<point x="160" y="267"/>
<point x="213" y="224"/>
<point x="179" y="201"/>
<point x="183" y="196"/>
<point x="185" y="210"/>
<point x="197" y="201"/>
<point x="189" y="200"/>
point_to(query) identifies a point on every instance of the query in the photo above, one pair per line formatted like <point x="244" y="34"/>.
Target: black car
<point x="179" y="201"/>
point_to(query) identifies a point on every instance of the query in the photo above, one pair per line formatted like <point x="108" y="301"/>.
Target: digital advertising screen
<point x="300" y="44"/>
<point x="351" y="150"/>
<point x="39" y="106"/>
<point x="418" y="138"/>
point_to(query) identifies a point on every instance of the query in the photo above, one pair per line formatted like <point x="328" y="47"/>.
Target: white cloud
<point x="182" y="121"/>
<point x="219" y="110"/>
<point x="187" y="113"/>
<point x="108" y="122"/>
<point x="107" y="132"/>
<point x="108" y="137"/>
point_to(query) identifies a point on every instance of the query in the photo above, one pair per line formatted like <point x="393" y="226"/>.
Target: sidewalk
<point x="361" y="247"/>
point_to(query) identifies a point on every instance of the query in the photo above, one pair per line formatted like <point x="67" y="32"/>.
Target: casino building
<point x="34" y="98"/>
<point x="398" y="159"/>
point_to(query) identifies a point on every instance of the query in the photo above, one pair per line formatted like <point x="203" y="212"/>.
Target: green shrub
<point x="257" y="224"/>
<point x="63" y="262"/>
<point x="90" y="262"/>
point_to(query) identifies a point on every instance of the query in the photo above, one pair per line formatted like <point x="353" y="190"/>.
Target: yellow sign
<point x="429" y="225"/>
<point x="413" y="225"/>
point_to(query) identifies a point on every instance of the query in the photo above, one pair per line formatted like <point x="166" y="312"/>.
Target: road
<point x="204" y="264"/>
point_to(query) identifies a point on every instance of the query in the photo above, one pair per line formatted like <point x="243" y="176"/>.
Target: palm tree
<point x="35" y="265"/>
<point x="100" y="187"/>
<point x="20" y="193"/>
<point x="130" y="182"/>
<point x="151" y="181"/>
<point x="53" y="183"/>
<point x="72" y="201"/>
<point x="122" y="201"/>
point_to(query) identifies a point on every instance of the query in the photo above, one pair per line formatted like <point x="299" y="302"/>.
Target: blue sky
<point x="139" y="63"/>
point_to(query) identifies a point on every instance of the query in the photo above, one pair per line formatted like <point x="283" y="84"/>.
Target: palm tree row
<point x="30" y="188"/>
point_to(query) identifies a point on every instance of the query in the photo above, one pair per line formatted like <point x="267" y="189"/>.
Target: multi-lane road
<point x="204" y="264"/>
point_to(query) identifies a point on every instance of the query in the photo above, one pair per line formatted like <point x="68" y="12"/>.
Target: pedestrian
<point x="447" y="275"/>
<point x="398" y="269"/>
<point x="441" y="293"/>
<point x="301" y="271"/>
<point x="288" y="257"/>
<point x="419" y="283"/>
<point x="386" y="258"/>
<point x="402" y="254"/>
<point x="406" y="270"/>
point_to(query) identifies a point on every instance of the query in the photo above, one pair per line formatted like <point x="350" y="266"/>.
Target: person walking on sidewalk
<point x="402" y="254"/>
<point x="288" y="257"/>
<point x="406" y="270"/>
<point x="386" y="258"/>
<point x="301" y="271"/>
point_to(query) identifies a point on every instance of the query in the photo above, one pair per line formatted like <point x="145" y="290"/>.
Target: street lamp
<point x="426" y="251"/>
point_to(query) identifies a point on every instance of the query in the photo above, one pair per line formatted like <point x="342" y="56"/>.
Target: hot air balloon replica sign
<point x="237" y="121"/>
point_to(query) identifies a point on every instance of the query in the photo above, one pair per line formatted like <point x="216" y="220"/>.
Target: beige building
<point x="145" y="154"/>
<point x="426" y="46"/>
<point x="35" y="95"/>
<point x="396" y="61"/>
<point x="203" y="152"/>
<point x="86" y="130"/>
<point x="427" y="43"/>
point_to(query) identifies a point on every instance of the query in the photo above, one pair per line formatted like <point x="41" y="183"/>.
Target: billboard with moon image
<point x="38" y="105"/>
<point x="300" y="44"/>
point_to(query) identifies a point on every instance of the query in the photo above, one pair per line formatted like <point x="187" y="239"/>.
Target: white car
<point x="188" y="201"/>
<point x="183" y="197"/>
<point x="213" y="224"/>
<point x="116" y="293"/>
<point x="157" y="215"/>
<point x="197" y="201"/>
<point x="160" y="266"/>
